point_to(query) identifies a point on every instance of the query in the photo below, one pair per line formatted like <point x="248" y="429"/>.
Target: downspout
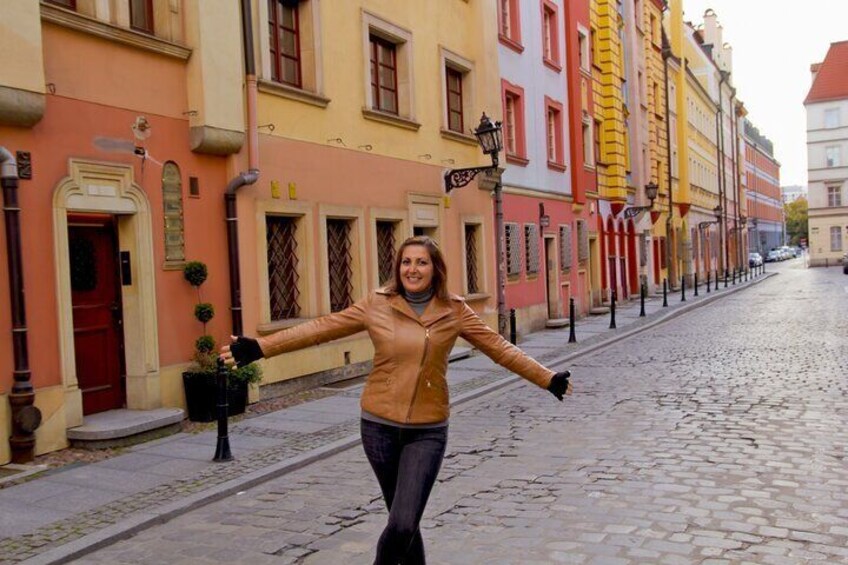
<point x="737" y="189"/>
<point x="244" y="178"/>
<point x="669" y="224"/>
<point x="25" y="417"/>
<point x="722" y="189"/>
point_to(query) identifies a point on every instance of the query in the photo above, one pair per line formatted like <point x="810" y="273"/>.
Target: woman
<point x="413" y="324"/>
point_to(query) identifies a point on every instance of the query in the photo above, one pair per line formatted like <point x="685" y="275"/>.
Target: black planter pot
<point x="201" y="394"/>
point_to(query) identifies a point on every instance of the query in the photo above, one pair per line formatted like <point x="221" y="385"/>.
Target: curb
<point x="146" y="519"/>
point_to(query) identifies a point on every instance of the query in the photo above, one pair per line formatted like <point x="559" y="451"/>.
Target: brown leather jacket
<point x="407" y="383"/>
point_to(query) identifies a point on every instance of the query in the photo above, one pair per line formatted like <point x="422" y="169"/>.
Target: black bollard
<point x="612" y="310"/>
<point x="572" y="337"/>
<point x="709" y="280"/>
<point x="512" y="326"/>
<point x="716" y="280"/>
<point x="734" y="276"/>
<point x="683" y="288"/>
<point x="726" y="278"/>
<point x="222" y="449"/>
<point x="665" y="293"/>
<point x="696" y="283"/>
<point x="642" y="291"/>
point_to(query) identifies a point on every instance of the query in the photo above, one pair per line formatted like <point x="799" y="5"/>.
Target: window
<point x="834" y="196"/>
<point x="588" y="145"/>
<point x="141" y="15"/>
<point x="509" y="24"/>
<point x="596" y="134"/>
<point x="283" y="292"/>
<point x="284" y="33"/>
<point x="472" y="259"/>
<point x="835" y="238"/>
<point x="831" y="118"/>
<point x="172" y="201"/>
<point x="550" y="35"/>
<point x="583" y="49"/>
<point x="596" y="47"/>
<point x="531" y="248"/>
<point x="513" y="250"/>
<point x="513" y="128"/>
<point x="386" y="249"/>
<point x="832" y="156"/>
<point x="384" y="92"/>
<point x="339" y="264"/>
<point x="453" y="80"/>
<point x="565" y="248"/>
<point x="554" y="131"/>
<point x="582" y="241"/>
<point x="70" y="4"/>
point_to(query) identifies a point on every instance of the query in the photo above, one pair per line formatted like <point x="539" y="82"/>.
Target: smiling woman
<point x="413" y="323"/>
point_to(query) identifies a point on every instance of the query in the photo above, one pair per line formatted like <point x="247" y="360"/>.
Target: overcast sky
<point x="774" y="42"/>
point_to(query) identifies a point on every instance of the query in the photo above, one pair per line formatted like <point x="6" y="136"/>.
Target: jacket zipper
<point x="420" y="369"/>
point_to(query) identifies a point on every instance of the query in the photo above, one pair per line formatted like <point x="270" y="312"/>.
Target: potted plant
<point x="200" y="380"/>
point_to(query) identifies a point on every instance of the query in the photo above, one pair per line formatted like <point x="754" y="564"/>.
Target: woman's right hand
<point x="242" y="351"/>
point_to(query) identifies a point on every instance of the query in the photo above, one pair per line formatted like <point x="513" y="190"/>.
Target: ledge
<point x="292" y="93"/>
<point x="553" y="65"/>
<point x="516" y="160"/>
<point x="477" y="296"/>
<point x="390" y="119"/>
<point x="459" y="137"/>
<point x="511" y="43"/>
<point x="86" y="24"/>
<point x="20" y="108"/>
<point x="554" y="166"/>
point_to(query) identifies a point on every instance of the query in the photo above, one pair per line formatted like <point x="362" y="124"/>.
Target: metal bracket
<point x="457" y="178"/>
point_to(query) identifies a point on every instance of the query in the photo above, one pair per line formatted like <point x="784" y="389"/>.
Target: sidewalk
<point x="63" y="514"/>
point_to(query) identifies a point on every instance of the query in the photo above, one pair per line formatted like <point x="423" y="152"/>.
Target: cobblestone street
<point x="717" y="437"/>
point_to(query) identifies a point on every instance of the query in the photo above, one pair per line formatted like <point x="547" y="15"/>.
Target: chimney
<point x="814" y="71"/>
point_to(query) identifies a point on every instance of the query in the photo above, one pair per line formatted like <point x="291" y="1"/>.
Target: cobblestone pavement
<point x="718" y="437"/>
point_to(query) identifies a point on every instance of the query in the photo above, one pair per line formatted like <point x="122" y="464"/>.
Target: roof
<point x="831" y="82"/>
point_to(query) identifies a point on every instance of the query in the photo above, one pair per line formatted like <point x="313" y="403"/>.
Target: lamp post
<point x="651" y="190"/>
<point x="490" y="137"/>
<point x="755" y="223"/>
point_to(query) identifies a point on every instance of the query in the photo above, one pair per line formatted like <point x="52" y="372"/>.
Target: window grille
<point x="340" y="268"/>
<point x="582" y="241"/>
<point x="385" y="251"/>
<point x="531" y="248"/>
<point x="471" y="266"/>
<point x="283" y="278"/>
<point x="565" y="247"/>
<point x="513" y="249"/>
<point x="172" y="201"/>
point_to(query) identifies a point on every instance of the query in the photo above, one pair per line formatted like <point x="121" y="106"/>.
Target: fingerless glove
<point x="245" y="351"/>
<point x="559" y="384"/>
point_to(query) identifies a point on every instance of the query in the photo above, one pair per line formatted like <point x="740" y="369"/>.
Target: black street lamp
<point x="491" y="140"/>
<point x="717" y="212"/>
<point x="651" y="190"/>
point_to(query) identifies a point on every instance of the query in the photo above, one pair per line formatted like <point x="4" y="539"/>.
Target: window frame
<point x="359" y="279"/>
<point x="836" y="242"/>
<point x="465" y="67"/>
<point x="278" y="57"/>
<point x="835" y="160"/>
<point x="550" y="35"/>
<point x="375" y="44"/>
<point x="532" y="259"/>
<point x="834" y="196"/>
<point x="554" y="110"/>
<point x="67" y="4"/>
<point x="832" y="112"/>
<point x="400" y="219"/>
<point x="509" y="24"/>
<point x="583" y="49"/>
<point x="479" y="236"/>
<point x="149" y="17"/>
<point x="373" y="25"/>
<point x="512" y="244"/>
<point x="518" y="153"/>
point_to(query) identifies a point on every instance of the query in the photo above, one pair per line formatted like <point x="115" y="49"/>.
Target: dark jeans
<point x="406" y="462"/>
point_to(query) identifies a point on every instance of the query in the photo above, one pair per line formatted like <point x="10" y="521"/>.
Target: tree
<point x="796" y="220"/>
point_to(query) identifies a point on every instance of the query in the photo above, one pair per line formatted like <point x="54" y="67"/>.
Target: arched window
<point x="172" y="202"/>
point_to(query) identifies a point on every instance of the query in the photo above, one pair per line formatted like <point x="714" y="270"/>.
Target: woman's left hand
<point x="560" y="385"/>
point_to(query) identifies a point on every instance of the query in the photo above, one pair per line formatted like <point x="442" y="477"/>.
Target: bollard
<point x="709" y="280"/>
<point x="512" y="326"/>
<point x="612" y="310"/>
<point x="665" y="293"/>
<point x="716" y="280"/>
<point x="642" y="291"/>
<point x="572" y="337"/>
<point x="222" y="449"/>
<point x="734" y="276"/>
<point x="696" y="283"/>
<point x="683" y="288"/>
<point x="726" y="275"/>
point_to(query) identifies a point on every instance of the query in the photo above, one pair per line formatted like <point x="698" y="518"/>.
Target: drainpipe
<point x="669" y="222"/>
<point x="25" y="417"/>
<point x="737" y="188"/>
<point x="244" y="178"/>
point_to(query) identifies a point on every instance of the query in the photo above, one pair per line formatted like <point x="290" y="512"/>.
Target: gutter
<point x="26" y="418"/>
<point x="245" y="178"/>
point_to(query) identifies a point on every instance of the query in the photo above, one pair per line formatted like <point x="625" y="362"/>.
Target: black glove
<point x="559" y="384"/>
<point x="245" y="351"/>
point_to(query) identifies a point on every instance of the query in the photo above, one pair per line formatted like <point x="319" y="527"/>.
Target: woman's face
<point x="416" y="268"/>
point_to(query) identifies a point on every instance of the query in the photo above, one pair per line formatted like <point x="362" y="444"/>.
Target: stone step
<point x="557" y="323"/>
<point x="122" y="427"/>
<point x="599" y="311"/>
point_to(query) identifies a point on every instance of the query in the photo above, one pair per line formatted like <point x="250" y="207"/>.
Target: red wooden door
<point x="96" y="300"/>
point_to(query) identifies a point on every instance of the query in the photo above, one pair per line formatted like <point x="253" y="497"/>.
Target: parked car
<point x="773" y="256"/>
<point x="755" y="259"/>
<point x="845" y="264"/>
